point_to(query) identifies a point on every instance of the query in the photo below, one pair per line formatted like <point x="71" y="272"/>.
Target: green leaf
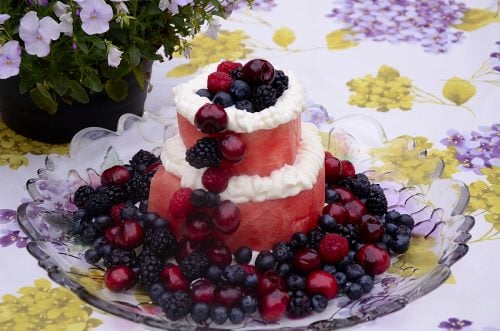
<point x="139" y="76"/>
<point x="117" y="89"/>
<point x="458" y="90"/>
<point x="98" y="43"/>
<point x="135" y="56"/>
<point x="92" y="81"/>
<point x="183" y="70"/>
<point x="43" y="99"/>
<point x="77" y="92"/>
<point x="25" y="85"/>
<point x="60" y="84"/>
<point x="474" y="19"/>
<point x="83" y="46"/>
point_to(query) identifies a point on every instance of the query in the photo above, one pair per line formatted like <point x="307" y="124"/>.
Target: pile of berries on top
<point x="200" y="278"/>
<point x="252" y="87"/>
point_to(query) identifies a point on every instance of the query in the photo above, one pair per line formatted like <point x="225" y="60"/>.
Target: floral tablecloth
<point x="426" y="70"/>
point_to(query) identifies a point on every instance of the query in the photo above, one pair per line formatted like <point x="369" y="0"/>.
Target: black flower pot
<point x="21" y="114"/>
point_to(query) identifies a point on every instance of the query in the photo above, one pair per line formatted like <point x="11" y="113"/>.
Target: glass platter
<point x="435" y="203"/>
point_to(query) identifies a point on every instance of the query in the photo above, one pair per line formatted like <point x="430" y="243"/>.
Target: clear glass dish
<point x="436" y="204"/>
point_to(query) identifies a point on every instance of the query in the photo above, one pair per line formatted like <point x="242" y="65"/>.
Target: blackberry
<point x="314" y="237"/>
<point x="280" y="83"/>
<point x="350" y="232"/>
<point x="100" y="203"/>
<point x="299" y="305"/>
<point x="160" y="241"/>
<point x="195" y="265"/>
<point x="115" y="194"/>
<point x="376" y="202"/>
<point x="236" y="74"/>
<point x="120" y="257"/>
<point x="176" y="305"/>
<point x="245" y="105"/>
<point x="83" y="195"/>
<point x="263" y="96"/>
<point x="138" y="186"/>
<point x="149" y="268"/>
<point x="205" y="153"/>
<point x="142" y="159"/>
<point x="359" y="185"/>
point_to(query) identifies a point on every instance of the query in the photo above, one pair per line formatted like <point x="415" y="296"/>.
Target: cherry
<point x="344" y="195"/>
<point x="130" y="235"/>
<point x="332" y="168"/>
<point x="218" y="253"/>
<point x="306" y="260"/>
<point x="228" y="295"/>
<point x="321" y="282"/>
<point x="110" y="234"/>
<point x="270" y="281"/>
<point x="198" y="226"/>
<point x="347" y="169"/>
<point x="370" y="229"/>
<point x="272" y="306"/>
<point x="356" y="210"/>
<point x="174" y="279"/>
<point x="116" y="175"/>
<point x="185" y="247"/>
<point x="373" y="259"/>
<point x="203" y="290"/>
<point x="119" y="278"/>
<point x="232" y="148"/>
<point x="227" y="217"/>
<point x="152" y="167"/>
<point x="258" y="72"/>
<point x="338" y="212"/>
<point x="211" y="118"/>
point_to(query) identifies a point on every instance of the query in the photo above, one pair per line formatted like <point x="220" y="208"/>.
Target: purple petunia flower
<point x="495" y="58"/>
<point x="454" y="324"/>
<point x="13" y="237"/>
<point x="7" y="216"/>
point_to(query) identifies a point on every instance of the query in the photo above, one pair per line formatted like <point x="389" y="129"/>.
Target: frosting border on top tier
<point x="284" y="182"/>
<point x="287" y="107"/>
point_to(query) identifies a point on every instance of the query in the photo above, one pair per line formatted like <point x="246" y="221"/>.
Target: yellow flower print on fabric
<point x="14" y="148"/>
<point x="229" y="45"/>
<point x="485" y="196"/>
<point x="44" y="308"/>
<point x="388" y="90"/>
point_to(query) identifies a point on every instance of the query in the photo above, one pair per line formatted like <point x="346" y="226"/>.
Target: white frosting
<point x="287" y="181"/>
<point x="287" y="107"/>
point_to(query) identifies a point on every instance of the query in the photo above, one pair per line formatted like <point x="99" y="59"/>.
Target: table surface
<point x="429" y="70"/>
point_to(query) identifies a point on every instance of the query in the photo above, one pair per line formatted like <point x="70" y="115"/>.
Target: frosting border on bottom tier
<point x="284" y="182"/>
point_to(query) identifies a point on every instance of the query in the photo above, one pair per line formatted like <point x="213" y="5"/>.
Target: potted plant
<point x="70" y="64"/>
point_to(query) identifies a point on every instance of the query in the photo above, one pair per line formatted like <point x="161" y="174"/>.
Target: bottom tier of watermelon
<point x="262" y="223"/>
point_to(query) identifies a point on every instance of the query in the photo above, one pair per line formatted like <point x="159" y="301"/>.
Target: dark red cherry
<point x="218" y="253"/>
<point x="203" y="290"/>
<point x="185" y="247"/>
<point x="174" y="279"/>
<point x="258" y="72"/>
<point x="270" y="281"/>
<point x="130" y="235"/>
<point x="306" y="260"/>
<point x="321" y="282"/>
<point x="345" y="195"/>
<point x="370" y="229"/>
<point x="356" y="209"/>
<point x="119" y="278"/>
<point x="232" y="148"/>
<point x="338" y="212"/>
<point x="272" y="306"/>
<point x="332" y="168"/>
<point x="227" y="217"/>
<point x="116" y="175"/>
<point x="228" y="295"/>
<point x="373" y="259"/>
<point x="198" y="226"/>
<point x="211" y="118"/>
<point x="347" y="169"/>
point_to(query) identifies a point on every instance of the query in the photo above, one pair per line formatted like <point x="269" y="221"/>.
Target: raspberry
<point x="333" y="248"/>
<point x="228" y="66"/>
<point x="180" y="205"/>
<point x="116" y="213"/>
<point x="215" y="179"/>
<point x="205" y="153"/>
<point x="219" y="81"/>
<point x="263" y="96"/>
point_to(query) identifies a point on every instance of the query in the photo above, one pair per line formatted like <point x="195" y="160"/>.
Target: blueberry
<point x="143" y="206"/>
<point x="341" y="279"/>
<point x="200" y="312"/>
<point x="213" y="200"/>
<point x="149" y="218"/>
<point x="391" y="228"/>
<point x="382" y="245"/>
<point x="407" y="221"/>
<point x="319" y="303"/>
<point x="284" y="269"/>
<point x="224" y="99"/>
<point x="327" y="223"/>
<point x="251" y="281"/>
<point x="219" y="314"/>
<point x="331" y="196"/>
<point x="129" y="211"/>
<point x="392" y="216"/>
<point x="205" y="93"/>
<point x="400" y="244"/>
<point x="78" y="226"/>
<point x="264" y="261"/>
<point x="240" y="90"/>
<point x="243" y="255"/>
<point x="159" y="223"/>
<point x="403" y="229"/>
<point x="366" y="283"/>
<point x="156" y="290"/>
<point x="249" y="304"/>
<point x="198" y="198"/>
<point x="295" y="283"/>
<point x="99" y="242"/>
<point x="92" y="256"/>
<point x="103" y="221"/>
<point x="282" y="252"/>
<point x="354" y="291"/>
<point x="245" y="105"/>
<point x="345" y="261"/>
<point x="386" y="239"/>
<point x="329" y="268"/>
<point x="298" y="240"/>
<point x="354" y="272"/>
<point x="214" y="273"/>
<point x="234" y="274"/>
<point x="236" y="315"/>
<point x="104" y="250"/>
<point x="80" y="214"/>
